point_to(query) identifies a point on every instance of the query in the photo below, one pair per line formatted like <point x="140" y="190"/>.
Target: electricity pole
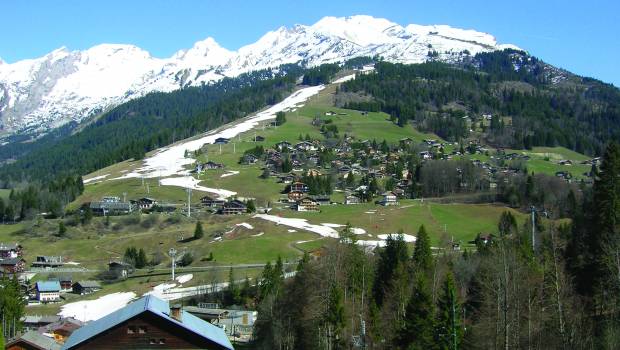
<point x="189" y="205"/>
<point x="173" y="252"/>
<point x="453" y="323"/>
<point x="533" y="228"/>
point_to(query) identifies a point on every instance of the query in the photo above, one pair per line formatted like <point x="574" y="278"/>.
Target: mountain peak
<point x="362" y="30"/>
<point x="58" y="54"/>
<point x="204" y="52"/>
<point x="41" y="95"/>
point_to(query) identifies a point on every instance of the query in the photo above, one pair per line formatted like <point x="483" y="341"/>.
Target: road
<point x="146" y="272"/>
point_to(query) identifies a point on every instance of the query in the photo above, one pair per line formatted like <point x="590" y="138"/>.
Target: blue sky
<point x="581" y="36"/>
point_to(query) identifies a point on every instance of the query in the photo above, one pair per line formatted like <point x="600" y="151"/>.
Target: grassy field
<point x="460" y="221"/>
<point x="94" y="245"/>
<point x="544" y="160"/>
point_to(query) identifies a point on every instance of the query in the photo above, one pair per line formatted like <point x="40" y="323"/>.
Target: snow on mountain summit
<point x="37" y="94"/>
<point x="205" y="50"/>
<point x="360" y="30"/>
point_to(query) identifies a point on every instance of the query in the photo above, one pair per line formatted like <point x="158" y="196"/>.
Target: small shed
<point x="86" y="287"/>
<point x="120" y="269"/>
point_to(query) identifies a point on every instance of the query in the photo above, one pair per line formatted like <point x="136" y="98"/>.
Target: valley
<point x="349" y="184"/>
<point x="246" y="238"/>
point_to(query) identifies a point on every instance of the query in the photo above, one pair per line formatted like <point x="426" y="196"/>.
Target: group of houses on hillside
<point x="112" y="206"/>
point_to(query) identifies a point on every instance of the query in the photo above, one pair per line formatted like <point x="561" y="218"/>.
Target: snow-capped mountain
<point x="38" y="94"/>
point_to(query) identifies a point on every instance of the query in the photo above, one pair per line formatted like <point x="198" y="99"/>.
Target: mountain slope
<point x="62" y="86"/>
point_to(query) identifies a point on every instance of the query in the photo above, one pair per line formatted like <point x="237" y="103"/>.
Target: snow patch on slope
<point x="90" y="310"/>
<point x="171" y="160"/>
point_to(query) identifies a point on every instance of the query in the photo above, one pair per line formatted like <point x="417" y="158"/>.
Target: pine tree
<point x="233" y="290"/>
<point x="88" y="216"/>
<point x="198" y="232"/>
<point x="334" y="316"/>
<point x="448" y="331"/>
<point x="141" y="259"/>
<point x="280" y="118"/>
<point x="422" y="256"/>
<point x="605" y="234"/>
<point x="62" y="229"/>
<point x="187" y="259"/>
<point x="507" y="224"/>
<point x="419" y="326"/>
<point x="266" y="284"/>
<point x="305" y="259"/>
<point x="390" y="259"/>
<point x="251" y="207"/>
<point x="1" y="337"/>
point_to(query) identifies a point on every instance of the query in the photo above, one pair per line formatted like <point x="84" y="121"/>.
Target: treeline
<point x="581" y="115"/>
<point x="558" y="291"/>
<point x="12" y="308"/>
<point x="321" y="74"/>
<point x="28" y="200"/>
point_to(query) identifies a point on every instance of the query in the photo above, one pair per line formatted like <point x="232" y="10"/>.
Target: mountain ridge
<point x="63" y="86"/>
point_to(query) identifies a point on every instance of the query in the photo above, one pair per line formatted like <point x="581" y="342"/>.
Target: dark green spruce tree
<point x="419" y="325"/>
<point x="422" y="256"/>
<point x="448" y="331"/>
<point x="198" y="232"/>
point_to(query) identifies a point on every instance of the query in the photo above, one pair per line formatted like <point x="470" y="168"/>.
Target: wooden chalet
<point x="220" y="141"/>
<point x="234" y="207"/>
<point x="146" y="203"/>
<point x="305" y="146"/>
<point x="321" y="199"/>
<point x="306" y="204"/>
<point x="86" y="287"/>
<point x="149" y="323"/>
<point x="294" y="196"/>
<point x="213" y="165"/>
<point x="249" y="159"/>
<point x="48" y="261"/>
<point x="352" y="199"/>
<point x="12" y="265"/>
<point x="111" y="206"/>
<point x="10" y="250"/>
<point x="211" y="202"/>
<point x="286" y="179"/>
<point x="389" y="198"/>
<point x="283" y="145"/>
<point x="33" y="322"/>
<point x="33" y="340"/>
<point x="66" y="283"/>
<point x="120" y="269"/>
<point x="299" y="186"/>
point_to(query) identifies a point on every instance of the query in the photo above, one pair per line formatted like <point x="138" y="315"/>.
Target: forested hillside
<point x="528" y="102"/>
<point x="559" y="291"/>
